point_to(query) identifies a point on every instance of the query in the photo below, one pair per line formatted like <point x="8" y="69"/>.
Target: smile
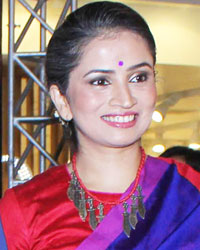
<point x="120" y="121"/>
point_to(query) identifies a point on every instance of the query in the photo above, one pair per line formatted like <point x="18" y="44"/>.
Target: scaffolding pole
<point x="36" y="76"/>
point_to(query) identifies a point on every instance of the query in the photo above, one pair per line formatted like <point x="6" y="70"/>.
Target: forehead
<point x="121" y="46"/>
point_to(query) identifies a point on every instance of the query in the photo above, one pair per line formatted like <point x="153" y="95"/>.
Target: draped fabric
<point x="38" y="214"/>
<point x="172" y="219"/>
<point x="2" y="238"/>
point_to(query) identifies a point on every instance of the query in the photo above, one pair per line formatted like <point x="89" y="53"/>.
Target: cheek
<point x="147" y="99"/>
<point x="154" y="96"/>
<point x="85" y="102"/>
<point x="151" y="97"/>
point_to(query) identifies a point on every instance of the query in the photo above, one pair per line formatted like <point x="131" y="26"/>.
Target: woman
<point x="100" y="72"/>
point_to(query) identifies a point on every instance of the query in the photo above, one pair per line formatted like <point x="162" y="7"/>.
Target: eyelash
<point x="100" y="82"/>
<point x="142" y="77"/>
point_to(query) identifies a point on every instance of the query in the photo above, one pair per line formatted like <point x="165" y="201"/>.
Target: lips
<point x="120" y="121"/>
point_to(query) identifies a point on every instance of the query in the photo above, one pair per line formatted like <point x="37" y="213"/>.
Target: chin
<point x="124" y="143"/>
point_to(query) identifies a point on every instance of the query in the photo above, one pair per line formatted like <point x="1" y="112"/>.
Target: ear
<point x="61" y="103"/>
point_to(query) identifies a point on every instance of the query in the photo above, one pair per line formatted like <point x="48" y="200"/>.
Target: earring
<point x="65" y="124"/>
<point x="61" y="120"/>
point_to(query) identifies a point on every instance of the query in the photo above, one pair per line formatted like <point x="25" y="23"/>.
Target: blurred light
<point x="24" y="173"/>
<point x="162" y="109"/>
<point x="158" y="148"/>
<point x="157" y="116"/>
<point x="4" y="158"/>
<point x="194" y="146"/>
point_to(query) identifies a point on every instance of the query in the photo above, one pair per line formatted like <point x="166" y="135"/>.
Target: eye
<point x="142" y="77"/>
<point x="100" y="82"/>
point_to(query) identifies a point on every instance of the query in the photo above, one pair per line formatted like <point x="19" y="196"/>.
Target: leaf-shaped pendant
<point x="77" y="197"/>
<point x="71" y="188"/>
<point x="133" y="215"/>
<point x="141" y="207"/>
<point x="92" y="217"/>
<point x="70" y="191"/>
<point x="126" y="225"/>
<point x="82" y="206"/>
<point x="101" y="215"/>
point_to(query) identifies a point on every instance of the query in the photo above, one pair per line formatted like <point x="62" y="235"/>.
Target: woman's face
<point x="111" y="93"/>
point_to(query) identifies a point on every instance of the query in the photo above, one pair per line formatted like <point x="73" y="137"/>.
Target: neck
<point x="108" y="169"/>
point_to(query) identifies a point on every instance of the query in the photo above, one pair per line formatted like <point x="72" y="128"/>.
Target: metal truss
<point x="35" y="76"/>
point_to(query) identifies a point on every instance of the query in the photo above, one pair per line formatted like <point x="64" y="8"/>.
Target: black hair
<point x="190" y="156"/>
<point x="80" y="27"/>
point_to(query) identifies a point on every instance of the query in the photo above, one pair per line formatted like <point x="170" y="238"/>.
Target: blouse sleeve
<point x="13" y="224"/>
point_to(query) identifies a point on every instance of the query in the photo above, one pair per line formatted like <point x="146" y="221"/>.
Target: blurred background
<point x="175" y="26"/>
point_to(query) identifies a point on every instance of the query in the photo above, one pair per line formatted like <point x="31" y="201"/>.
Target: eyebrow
<point x="107" y="71"/>
<point x="140" y="65"/>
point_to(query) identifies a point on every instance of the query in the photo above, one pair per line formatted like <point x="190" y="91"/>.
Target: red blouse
<point x="39" y="215"/>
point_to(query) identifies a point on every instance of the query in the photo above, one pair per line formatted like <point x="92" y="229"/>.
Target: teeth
<point x="126" y="118"/>
<point x="112" y="119"/>
<point x="119" y="119"/>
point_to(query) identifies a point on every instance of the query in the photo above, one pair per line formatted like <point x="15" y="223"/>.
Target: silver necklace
<point x="80" y="198"/>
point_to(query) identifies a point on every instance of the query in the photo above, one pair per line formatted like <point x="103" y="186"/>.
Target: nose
<point x="122" y="96"/>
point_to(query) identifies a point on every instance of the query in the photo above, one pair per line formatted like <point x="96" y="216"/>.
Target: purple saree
<point x="172" y="218"/>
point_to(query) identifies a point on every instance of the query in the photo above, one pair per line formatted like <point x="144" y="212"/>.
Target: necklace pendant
<point x="70" y="191"/>
<point x="133" y="215"/>
<point x="141" y="207"/>
<point x="126" y="225"/>
<point x="92" y="217"/>
<point x="101" y="215"/>
<point x="71" y="188"/>
<point x="82" y="206"/>
<point x="77" y="195"/>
